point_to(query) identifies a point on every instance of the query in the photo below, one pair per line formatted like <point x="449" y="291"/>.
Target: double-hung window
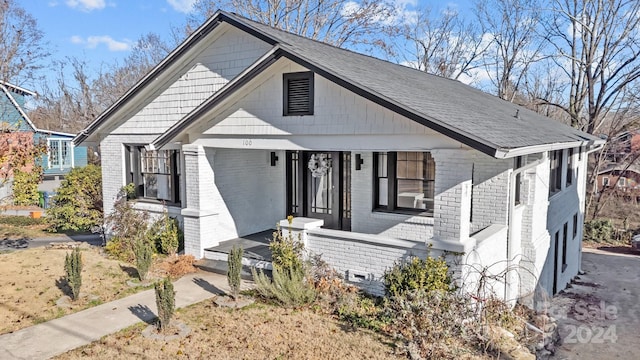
<point x="60" y="153"/>
<point x="555" y="173"/>
<point x="404" y="182"/>
<point x="155" y="174"/>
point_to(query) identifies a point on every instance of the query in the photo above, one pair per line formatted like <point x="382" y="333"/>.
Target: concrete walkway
<point x="58" y="336"/>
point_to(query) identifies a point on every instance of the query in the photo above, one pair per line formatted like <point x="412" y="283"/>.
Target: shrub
<point x="360" y="310"/>
<point x="165" y="302"/>
<point x="73" y="269"/>
<point x="176" y="266"/>
<point x="125" y="224"/>
<point x="144" y="257"/>
<point x="25" y="186"/>
<point x="427" y="321"/>
<point x="166" y="235"/>
<point x="235" y="269"/>
<point x="598" y="230"/>
<point x="77" y="205"/>
<point x="417" y="274"/>
<point x="288" y="288"/>
<point x="286" y="251"/>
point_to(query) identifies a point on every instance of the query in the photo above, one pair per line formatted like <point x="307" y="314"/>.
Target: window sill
<point x="154" y="205"/>
<point x="425" y="214"/>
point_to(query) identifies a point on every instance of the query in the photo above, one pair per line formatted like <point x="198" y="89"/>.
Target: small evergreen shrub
<point x="144" y="257"/>
<point x="417" y="274"/>
<point x="235" y="269"/>
<point x="165" y="302"/>
<point x="286" y="251"/>
<point x="166" y="234"/>
<point x="288" y="287"/>
<point x="73" y="269"/>
<point x="599" y="230"/>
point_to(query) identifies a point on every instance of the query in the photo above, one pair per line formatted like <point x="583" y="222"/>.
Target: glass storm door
<point x="323" y="186"/>
<point x="319" y="186"/>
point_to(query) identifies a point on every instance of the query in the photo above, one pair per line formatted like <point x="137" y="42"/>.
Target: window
<point x="564" y="247"/>
<point x="404" y="182"/>
<point x="298" y="94"/>
<point x="155" y="174"/>
<point x="60" y="153"/>
<point x="622" y="182"/>
<point x="570" y="169"/>
<point x="605" y="181"/>
<point x="555" y="175"/>
<point x="575" y="225"/>
<point x="517" y="164"/>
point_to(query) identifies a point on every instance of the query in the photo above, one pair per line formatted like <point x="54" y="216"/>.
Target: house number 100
<point x="247" y="142"/>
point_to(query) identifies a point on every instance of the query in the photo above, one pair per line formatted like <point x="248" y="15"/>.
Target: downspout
<point x="512" y="205"/>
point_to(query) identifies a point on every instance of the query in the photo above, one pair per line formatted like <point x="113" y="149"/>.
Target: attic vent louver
<point x="298" y="94"/>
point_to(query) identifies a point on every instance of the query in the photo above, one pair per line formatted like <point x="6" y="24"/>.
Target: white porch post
<point x="452" y="203"/>
<point x="199" y="215"/>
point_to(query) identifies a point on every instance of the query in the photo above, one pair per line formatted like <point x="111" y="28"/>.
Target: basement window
<point x="298" y="94"/>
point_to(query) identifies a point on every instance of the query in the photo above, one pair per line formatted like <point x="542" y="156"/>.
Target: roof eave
<point x="590" y="145"/>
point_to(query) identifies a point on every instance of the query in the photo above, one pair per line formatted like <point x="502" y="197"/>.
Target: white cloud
<point x="92" y="42"/>
<point x="184" y="6"/>
<point x="86" y="5"/>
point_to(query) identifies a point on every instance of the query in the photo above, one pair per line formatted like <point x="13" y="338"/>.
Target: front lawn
<point x="257" y="332"/>
<point x="31" y="281"/>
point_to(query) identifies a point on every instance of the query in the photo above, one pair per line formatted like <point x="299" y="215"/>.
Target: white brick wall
<point x="490" y="191"/>
<point x="361" y="260"/>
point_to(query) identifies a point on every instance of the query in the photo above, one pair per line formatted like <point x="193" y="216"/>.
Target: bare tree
<point x="71" y="104"/>
<point x="443" y="44"/>
<point x="598" y="44"/>
<point x="512" y="27"/>
<point x="22" y="47"/>
<point x="335" y="22"/>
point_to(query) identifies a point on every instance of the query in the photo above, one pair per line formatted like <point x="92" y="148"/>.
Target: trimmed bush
<point x="144" y="257"/>
<point x="235" y="269"/>
<point x="417" y="274"/>
<point x="73" y="269"/>
<point x="165" y="302"/>
<point x="77" y="205"/>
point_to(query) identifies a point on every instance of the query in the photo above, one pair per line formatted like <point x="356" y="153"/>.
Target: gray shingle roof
<point x="442" y="102"/>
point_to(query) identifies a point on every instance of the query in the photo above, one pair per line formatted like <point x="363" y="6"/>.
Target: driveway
<point x="599" y="316"/>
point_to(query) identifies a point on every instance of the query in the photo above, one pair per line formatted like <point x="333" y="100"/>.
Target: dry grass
<point x="30" y="285"/>
<point x="20" y="232"/>
<point x="256" y="332"/>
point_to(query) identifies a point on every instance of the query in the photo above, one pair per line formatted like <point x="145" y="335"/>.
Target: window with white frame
<point x="605" y="181"/>
<point x="155" y="174"/>
<point x="60" y="153"/>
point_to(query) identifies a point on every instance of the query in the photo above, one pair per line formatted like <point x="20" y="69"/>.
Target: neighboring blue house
<point x="61" y="156"/>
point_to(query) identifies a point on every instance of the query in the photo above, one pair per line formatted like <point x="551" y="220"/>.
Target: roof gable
<point x="479" y="120"/>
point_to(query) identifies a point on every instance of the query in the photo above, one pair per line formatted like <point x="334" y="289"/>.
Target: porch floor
<point x="256" y="246"/>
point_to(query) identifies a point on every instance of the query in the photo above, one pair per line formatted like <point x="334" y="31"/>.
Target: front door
<point x="322" y="181"/>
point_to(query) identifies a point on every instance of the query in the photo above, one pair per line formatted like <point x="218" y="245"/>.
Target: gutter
<point x="512" y="205"/>
<point x="591" y="145"/>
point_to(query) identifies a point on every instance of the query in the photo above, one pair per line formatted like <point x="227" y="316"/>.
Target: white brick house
<point x="243" y="125"/>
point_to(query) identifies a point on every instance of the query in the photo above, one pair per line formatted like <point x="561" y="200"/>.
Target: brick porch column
<point x="200" y="218"/>
<point x="452" y="203"/>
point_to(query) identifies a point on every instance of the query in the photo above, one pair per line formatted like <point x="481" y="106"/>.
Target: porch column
<point x="200" y="219"/>
<point x="452" y="203"/>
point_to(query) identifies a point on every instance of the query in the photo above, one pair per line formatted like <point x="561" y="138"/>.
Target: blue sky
<point x="103" y="31"/>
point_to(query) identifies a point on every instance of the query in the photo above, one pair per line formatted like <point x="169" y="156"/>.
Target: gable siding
<point x="10" y="116"/>
<point x="337" y="111"/>
<point x="220" y="62"/>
